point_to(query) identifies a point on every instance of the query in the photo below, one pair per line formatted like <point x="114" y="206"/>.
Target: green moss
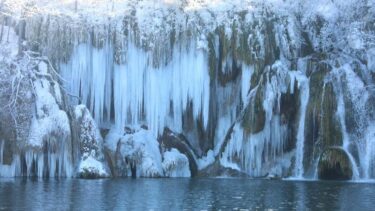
<point x="322" y="128"/>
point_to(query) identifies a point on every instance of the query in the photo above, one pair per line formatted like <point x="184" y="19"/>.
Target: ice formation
<point x="141" y="153"/>
<point x="92" y="162"/>
<point x="175" y="164"/>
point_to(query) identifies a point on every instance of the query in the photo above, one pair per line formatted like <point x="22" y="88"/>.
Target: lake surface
<point x="184" y="194"/>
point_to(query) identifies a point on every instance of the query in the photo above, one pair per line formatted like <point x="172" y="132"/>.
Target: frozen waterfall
<point x="137" y="93"/>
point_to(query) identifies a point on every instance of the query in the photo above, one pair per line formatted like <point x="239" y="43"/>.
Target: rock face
<point x="334" y="164"/>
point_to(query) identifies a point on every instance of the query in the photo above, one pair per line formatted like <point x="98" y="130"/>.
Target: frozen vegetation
<point x="180" y="88"/>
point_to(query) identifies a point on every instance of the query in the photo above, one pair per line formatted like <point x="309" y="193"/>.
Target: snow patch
<point x="91" y="166"/>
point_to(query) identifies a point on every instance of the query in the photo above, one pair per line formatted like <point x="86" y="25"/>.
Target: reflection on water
<point x="188" y="194"/>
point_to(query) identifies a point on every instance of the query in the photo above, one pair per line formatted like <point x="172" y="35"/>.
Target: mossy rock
<point x="254" y="118"/>
<point x="334" y="164"/>
<point x="331" y="128"/>
<point x="289" y="104"/>
<point x="322" y="127"/>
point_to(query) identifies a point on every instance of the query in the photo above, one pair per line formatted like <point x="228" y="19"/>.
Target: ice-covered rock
<point x="141" y="152"/>
<point x="49" y="144"/>
<point x="92" y="162"/>
<point x="91" y="168"/>
<point x="135" y="154"/>
<point x="175" y="164"/>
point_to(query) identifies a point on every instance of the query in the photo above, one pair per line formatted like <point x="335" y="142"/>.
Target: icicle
<point x="142" y="94"/>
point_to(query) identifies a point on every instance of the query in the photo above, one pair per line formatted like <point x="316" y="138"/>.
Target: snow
<point x="50" y="127"/>
<point x="92" y="166"/>
<point x="48" y="119"/>
<point x="175" y="164"/>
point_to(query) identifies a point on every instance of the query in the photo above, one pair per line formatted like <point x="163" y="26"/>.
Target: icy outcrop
<point x="137" y="153"/>
<point x="37" y="138"/>
<point x="257" y="143"/>
<point x="92" y="163"/>
<point x="175" y="164"/>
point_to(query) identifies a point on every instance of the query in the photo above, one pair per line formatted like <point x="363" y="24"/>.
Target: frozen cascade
<point x="89" y="71"/>
<point x="346" y="142"/>
<point x="227" y="118"/>
<point x="140" y="93"/>
<point x="304" y="87"/>
<point x="360" y="96"/>
<point x="261" y="153"/>
<point x="226" y="77"/>
<point x="55" y="162"/>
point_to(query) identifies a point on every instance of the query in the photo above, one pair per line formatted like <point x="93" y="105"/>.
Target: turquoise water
<point x="184" y="194"/>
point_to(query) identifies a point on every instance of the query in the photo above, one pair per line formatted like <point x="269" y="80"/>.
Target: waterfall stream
<point x="304" y="99"/>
